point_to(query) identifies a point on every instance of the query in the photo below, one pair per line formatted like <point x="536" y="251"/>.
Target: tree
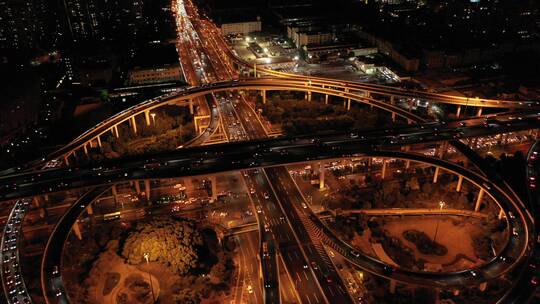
<point x="170" y="242"/>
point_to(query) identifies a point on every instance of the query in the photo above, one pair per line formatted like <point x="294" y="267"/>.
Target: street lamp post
<point x="441" y="206"/>
<point x="146" y="255"/>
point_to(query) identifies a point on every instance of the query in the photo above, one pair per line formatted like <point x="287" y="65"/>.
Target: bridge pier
<point x="393" y="116"/>
<point x="89" y="210"/>
<point x="147" y="190"/>
<point x="479" y="200"/>
<point x="213" y="182"/>
<point x="392" y="288"/>
<point x="147" y="117"/>
<point x="326" y="99"/>
<point x="383" y="171"/>
<point x="137" y="187"/>
<point x="442" y="149"/>
<point x="191" y="106"/>
<point x="35" y="201"/>
<point x="77" y="230"/>
<point x="308" y="96"/>
<point x="321" y="176"/>
<point x="114" y="131"/>
<point x="458" y="113"/>
<point x="479" y="113"/>
<point x="348" y="104"/>
<point x="501" y="214"/>
<point x="263" y="94"/>
<point x="436" y="175"/>
<point x="85" y="149"/>
<point x="66" y="159"/>
<point x="114" y="193"/>
<point x="133" y="124"/>
<point x="459" y="183"/>
<point x="98" y="141"/>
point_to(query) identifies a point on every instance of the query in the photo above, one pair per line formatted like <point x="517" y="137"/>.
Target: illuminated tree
<point x="172" y="243"/>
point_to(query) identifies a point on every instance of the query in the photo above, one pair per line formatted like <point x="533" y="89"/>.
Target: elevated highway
<point x="243" y="155"/>
<point x="514" y="253"/>
<point x="349" y="93"/>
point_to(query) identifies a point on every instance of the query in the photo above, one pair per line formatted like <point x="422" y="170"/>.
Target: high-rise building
<point x="21" y="24"/>
<point x="83" y="19"/>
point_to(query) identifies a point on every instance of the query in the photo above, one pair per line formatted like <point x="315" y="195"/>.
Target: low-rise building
<point x="241" y="27"/>
<point x="168" y="73"/>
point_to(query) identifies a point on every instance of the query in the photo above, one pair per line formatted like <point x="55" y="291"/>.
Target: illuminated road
<point x="294" y="228"/>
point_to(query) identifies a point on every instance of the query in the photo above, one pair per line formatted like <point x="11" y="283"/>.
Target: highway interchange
<point x="288" y="229"/>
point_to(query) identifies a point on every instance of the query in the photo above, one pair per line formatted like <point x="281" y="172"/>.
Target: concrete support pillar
<point x="137" y="187"/>
<point x="458" y="113"/>
<point x="89" y="210"/>
<point x="307" y="96"/>
<point x="483" y="286"/>
<point x="191" y="106"/>
<point x="263" y="94"/>
<point x="456" y="292"/>
<point x="255" y="70"/>
<point x="407" y="164"/>
<point x="85" y="150"/>
<point x="114" y="193"/>
<point x="370" y="163"/>
<point x="35" y="201"/>
<point x="392" y="100"/>
<point x="147" y="117"/>
<point x="46" y="197"/>
<point x="133" y="124"/>
<point x="459" y="183"/>
<point x="409" y="121"/>
<point x="213" y="181"/>
<point x="326" y="99"/>
<point x="321" y="176"/>
<point x="98" y="141"/>
<point x="479" y="200"/>
<point x="383" y="171"/>
<point x="348" y="104"/>
<point x="77" y="230"/>
<point x="115" y="131"/>
<point x="147" y="189"/>
<point x="392" y="286"/>
<point x="442" y="149"/>
<point x="66" y="159"/>
<point x="393" y="117"/>
<point x="479" y="113"/>
<point x="501" y="214"/>
<point x="436" y="175"/>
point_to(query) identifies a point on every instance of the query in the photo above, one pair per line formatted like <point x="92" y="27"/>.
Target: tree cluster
<point x="302" y="117"/>
<point x="170" y="242"/>
<point x="424" y="244"/>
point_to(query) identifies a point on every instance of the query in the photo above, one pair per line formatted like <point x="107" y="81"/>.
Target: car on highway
<point x="355" y="253"/>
